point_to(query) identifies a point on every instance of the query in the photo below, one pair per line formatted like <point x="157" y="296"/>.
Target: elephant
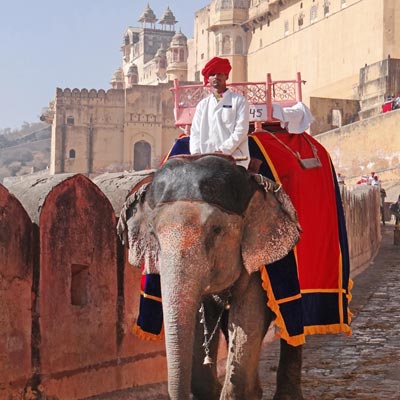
<point x="206" y="226"/>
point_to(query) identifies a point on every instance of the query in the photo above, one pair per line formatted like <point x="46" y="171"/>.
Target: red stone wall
<point x="85" y="295"/>
<point x="15" y="294"/>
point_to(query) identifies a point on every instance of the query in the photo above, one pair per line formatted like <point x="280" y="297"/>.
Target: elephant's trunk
<point x="181" y="302"/>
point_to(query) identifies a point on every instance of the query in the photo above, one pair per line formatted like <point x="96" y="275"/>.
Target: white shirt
<point x="221" y="126"/>
<point x="376" y="183"/>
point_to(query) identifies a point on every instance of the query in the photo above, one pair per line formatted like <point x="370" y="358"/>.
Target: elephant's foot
<point x="231" y="394"/>
<point x="289" y="390"/>
<point x="289" y="373"/>
<point x="206" y="391"/>
<point x="238" y="388"/>
<point x="286" y="396"/>
<point x="206" y="396"/>
<point x="206" y="387"/>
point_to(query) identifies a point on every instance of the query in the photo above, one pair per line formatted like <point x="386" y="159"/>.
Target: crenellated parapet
<point x="84" y="94"/>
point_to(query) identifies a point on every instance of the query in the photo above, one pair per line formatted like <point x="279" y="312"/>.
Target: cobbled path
<point x="363" y="366"/>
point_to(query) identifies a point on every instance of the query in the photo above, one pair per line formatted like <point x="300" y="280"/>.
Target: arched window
<point x="326" y="7"/>
<point x="226" y="45"/>
<point x="313" y="13"/>
<point x="286" y="27"/>
<point x="163" y="63"/>
<point x="336" y="118"/>
<point x="239" y="45"/>
<point x="223" y="4"/>
<point x="72" y="153"/>
<point x="244" y="4"/>
<point x="141" y="155"/>
<point x="300" y="20"/>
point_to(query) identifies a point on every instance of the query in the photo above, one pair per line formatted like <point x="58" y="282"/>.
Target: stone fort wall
<point x="97" y="131"/>
<point x="369" y="145"/>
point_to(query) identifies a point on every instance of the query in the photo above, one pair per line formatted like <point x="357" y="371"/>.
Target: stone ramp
<point x="365" y="365"/>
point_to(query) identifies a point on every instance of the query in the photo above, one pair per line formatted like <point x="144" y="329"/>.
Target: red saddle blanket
<point x="321" y="256"/>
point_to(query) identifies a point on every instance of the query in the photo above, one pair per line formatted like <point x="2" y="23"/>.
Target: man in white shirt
<point x="221" y="120"/>
<point x="376" y="182"/>
<point x="371" y="178"/>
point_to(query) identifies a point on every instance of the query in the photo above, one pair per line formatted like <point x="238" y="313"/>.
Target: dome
<point x="148" y="16"/>
<point x="118" y="76"/>
<point x="168" y="18"/>
<point x="179" y="40"/>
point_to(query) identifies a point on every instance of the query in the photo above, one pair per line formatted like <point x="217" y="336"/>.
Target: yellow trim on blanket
<point x="272" y="303"/>
<point x="141" y="334"/>
<point x="340" y="284"/>
<point x="324" y="329"/>
<point x="287" y="299"/>
<point x="151" y="297"/>
<point x="267" y="158"/>
<point x="181" y="136"/>
<point x="349" y="298"/>
<point x="315" y="290"/>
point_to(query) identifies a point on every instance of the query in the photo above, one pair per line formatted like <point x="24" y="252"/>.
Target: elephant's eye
<point x="214" y="234"/>
<point x="216" y="230"/>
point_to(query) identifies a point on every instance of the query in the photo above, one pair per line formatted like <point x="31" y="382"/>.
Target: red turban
<point x="216" y="66"/>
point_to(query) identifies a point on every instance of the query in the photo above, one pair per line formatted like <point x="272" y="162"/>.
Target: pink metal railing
<point x="260" y="95"/>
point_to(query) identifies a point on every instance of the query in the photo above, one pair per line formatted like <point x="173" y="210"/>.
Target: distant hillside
<point x="24" y="150"/>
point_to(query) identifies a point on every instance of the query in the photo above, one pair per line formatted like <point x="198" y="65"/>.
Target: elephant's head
<point x="200" y="224"/>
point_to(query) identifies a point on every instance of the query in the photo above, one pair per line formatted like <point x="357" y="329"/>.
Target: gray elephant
<point x="206" y="226"/>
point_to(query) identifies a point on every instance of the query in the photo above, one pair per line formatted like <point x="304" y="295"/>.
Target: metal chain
<point x="208" y="338"/>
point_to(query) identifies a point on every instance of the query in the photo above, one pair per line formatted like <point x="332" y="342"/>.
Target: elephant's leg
<point x="289" y="373"/>
<point x="249" y="318"/>
<point x="205" y="383"/>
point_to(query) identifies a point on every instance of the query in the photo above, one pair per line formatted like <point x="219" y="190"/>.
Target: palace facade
<point x="347" y="51"/>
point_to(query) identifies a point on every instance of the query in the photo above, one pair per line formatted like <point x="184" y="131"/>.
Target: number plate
<point x="258" y="112"/>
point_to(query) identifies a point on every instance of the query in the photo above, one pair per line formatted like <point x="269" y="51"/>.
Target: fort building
<point x="348" y="53"/>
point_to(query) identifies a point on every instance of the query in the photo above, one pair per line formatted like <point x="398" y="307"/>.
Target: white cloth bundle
<point x="295" y="119"/>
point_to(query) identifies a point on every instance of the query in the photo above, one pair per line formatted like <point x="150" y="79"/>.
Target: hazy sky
<point x="45" y="44"/>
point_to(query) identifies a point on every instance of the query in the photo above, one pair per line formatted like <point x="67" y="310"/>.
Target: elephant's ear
<point x="133" y="229"/>
<point x="271" y="228"/>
